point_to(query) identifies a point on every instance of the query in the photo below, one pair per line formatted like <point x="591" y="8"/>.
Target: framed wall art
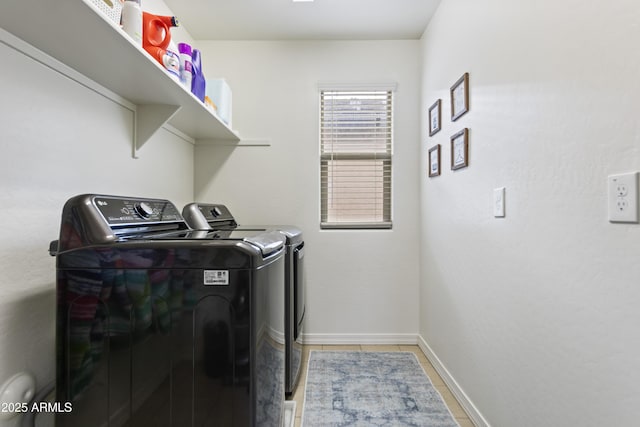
<point x="460" y="97"/>
<point x="434" y="161"/>
<point x="435" y="112"/>
<point x="460" y="149"/>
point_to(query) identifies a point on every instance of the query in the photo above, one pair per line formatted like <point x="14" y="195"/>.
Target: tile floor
<point x="455" y="408"/>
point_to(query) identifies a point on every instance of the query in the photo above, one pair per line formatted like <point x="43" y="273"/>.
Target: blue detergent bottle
<point x="198" y="84"/>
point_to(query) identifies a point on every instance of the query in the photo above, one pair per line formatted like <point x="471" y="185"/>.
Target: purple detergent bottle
<point x="186" y="67"/>
<point x="198" y="85"/>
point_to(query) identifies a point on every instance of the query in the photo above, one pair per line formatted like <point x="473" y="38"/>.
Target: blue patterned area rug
<point x="356" y="388"/>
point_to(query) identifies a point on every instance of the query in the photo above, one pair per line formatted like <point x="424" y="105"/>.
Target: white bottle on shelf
<point x="131" y="20"/>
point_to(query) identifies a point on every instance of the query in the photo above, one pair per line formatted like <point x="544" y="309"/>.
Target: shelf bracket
<point x="148" y="118"/>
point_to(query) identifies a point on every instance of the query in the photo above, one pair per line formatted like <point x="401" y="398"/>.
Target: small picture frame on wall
<point x="460" y="149"/>
<point x="435" y="112"/>
<point x="434" y="160"/>
<point x="460" y="97"/>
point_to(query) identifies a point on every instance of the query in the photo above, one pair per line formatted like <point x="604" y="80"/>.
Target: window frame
<point x="386" y="223"/>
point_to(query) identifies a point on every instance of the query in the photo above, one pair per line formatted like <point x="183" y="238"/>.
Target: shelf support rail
<point x="147" y="119"/>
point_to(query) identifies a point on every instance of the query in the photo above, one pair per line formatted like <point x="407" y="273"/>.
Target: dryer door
<point x="298" y="290"/>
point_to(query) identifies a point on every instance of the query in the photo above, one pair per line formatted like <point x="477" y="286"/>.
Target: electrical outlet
<point x="623" y="197"/>
<point x="621" y="189"/>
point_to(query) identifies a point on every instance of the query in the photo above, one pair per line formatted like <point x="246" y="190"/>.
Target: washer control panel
<point x="121" y="211"/>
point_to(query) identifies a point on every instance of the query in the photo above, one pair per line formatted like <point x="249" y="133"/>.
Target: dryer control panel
<point x="205" y="216"/>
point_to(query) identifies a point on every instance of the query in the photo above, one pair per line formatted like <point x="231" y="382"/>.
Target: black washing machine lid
<point x="215" y="216"/>
<point x="94" y="219"/>
<point x="268" y="242"/>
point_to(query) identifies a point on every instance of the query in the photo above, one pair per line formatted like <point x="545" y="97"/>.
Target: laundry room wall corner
<point x="61" y="139"/>
<point x="360" y="283"/>
<point x="535" y="314"/>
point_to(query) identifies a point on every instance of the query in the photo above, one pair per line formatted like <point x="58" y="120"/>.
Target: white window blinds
<point x="356" y="133"/>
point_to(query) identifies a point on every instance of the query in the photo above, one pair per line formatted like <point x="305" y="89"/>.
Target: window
<point x="356" y="133"/>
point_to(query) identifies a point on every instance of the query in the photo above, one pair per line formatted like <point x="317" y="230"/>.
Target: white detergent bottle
<point x="172" y="61"/>
<point x="131" y="20"/>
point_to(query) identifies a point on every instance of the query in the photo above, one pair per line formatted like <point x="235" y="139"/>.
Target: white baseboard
<point x="360" y="339"/>
<point x="289" y="418"/>
<point x="474" y="414"/>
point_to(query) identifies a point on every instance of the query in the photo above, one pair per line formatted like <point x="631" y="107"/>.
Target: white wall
<point x="362" y="285"/>
<point x="535" y="315"/>
<point x="60" y="139"/>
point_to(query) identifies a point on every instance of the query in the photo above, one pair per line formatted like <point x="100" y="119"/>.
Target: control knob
<point x="143" y="209"/>
<point x="216" y="212"/>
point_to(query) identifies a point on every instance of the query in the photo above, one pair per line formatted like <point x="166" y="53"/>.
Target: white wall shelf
<point x="77" y="34"/>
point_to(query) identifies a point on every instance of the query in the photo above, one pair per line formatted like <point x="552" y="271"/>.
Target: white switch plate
<point x="498" y="202"/>
<point x="623" y="197"/>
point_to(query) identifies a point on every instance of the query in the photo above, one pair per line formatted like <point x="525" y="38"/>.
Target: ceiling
<point x="304" y="20"/>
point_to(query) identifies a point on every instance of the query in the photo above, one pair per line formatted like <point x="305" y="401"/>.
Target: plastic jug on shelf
<point x="198" y="84"/>
<point x="156" y="30"/>
<point x="186" y="67"/>
<point x="156" y="39"/>
<point x="131" y="20"/>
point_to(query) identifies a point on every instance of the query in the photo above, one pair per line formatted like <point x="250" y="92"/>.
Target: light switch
<point x="623" y="197"/>
<point x="498" y="202"/>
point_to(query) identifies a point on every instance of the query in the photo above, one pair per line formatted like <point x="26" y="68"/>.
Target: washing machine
<point x="162" y="326"/>
<point x="207" y="216"/>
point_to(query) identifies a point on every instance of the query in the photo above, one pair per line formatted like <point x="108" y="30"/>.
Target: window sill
<point x="356" y="226"/>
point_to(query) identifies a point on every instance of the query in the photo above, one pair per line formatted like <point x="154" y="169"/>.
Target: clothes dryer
<point x="162" y="326"/>
<point x="207" y="216"/>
